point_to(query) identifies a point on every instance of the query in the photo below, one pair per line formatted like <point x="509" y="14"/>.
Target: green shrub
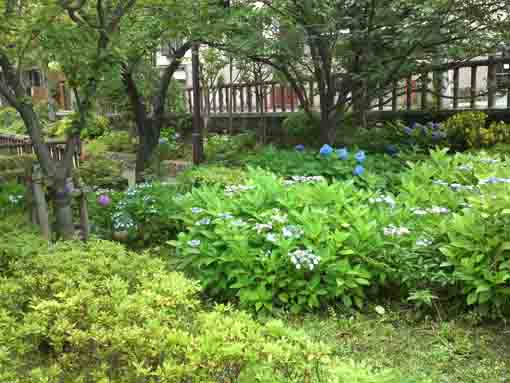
<point x="11" y="122"/>
<point x="301" y="125"/>
<point x="118" y="142"/>
<point x="210" y="175"/>
<point x="60" y="128"/>
<point x="12" y="198"/>
<point x="381" y="171"/>
<point x="8" y="163"/>
<point x="100" y="172"/>
<point x="272" y="244"/>
<point x="477" y="245"/>
<point x="469" y="130"/>
<point x="97" y="127"/>
<point x="225" y="147"/>
<point x="95" y="312"/>
<point x="144" y="215"/>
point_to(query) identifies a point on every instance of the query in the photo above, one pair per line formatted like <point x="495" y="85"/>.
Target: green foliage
<point x="301" y="125"/>
<point x="117" y="142"/>
<point x="381" y="170"/>
<point x="245" y="242"/>
<point x="224" y="147"/>
<point x="143" y="215"/>
<point x="61" y="128"/>
<point x="95" y="312"/>
<point x="12" y="198"/>
<point x="471" y="130"/>
<point x="478" y="247"/>
<point x="97" y="127"/>
<point x="12" y="167"/>
<point x="101" y="172"/>
<point x="210" y="175"/>
<point x="11" y="122"/>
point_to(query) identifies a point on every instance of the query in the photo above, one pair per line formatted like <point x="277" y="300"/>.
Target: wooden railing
<point x="474" y="84"/>
<point x="19" y="146"/>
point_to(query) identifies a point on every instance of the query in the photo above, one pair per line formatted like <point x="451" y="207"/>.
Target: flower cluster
<point x="432" y="210"/>
<point x="235" y="189"/>
<point x="122" y="221"/>
<point x="204" y="222"/>
<point x="489" y="161"/>
<point x="465" y="168"/>
<point x="394" y="231"/>
<point x="433" y="128"/>
<point x="104" y="200"/>
<point x="225" y="216"/>
<point x="383" y="199"/>
<point x="194" y="243"/>
<point x="455" y="186"/>
<point x="343" y="154"/>
<point x="494" y="180"/>
<point x="15" y="199"/>
<point x="277" y="217"/>
<point x="300" y="148"/>
<point x="292" y="231"/>
<point x="260" y="227"/>
<point x="304" y="259"/>
<point x="424" y="242"/>
<point x="238" y="223"/>
<point x="303" y="179"/>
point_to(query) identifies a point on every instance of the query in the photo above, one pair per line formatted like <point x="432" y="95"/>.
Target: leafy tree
<point x="29" y="25"/>
<point x="355" y="50"/>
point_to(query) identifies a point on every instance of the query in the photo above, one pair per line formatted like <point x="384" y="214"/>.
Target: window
<point x="34" y="78"/>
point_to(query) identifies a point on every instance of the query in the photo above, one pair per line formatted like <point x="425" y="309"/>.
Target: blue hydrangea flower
<point x="300" y="148"/>
<point x="342" y="154"/>
<point x="360" y="156"/>
<point x="326" y="150"/>
<point x="392" y="150"/>
<point x="358" y="170"/>
<point x="163" y="141"/>
<point x="438" y="136"/>
<point x="408" y="131"/>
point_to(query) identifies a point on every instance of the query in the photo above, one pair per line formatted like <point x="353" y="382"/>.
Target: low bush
<point x="471" y="130"/>
<point x="100" y="172"/>
<point x="11" y="122"/>
<point x="12" y="198"/>
<point x="379" y="170"/>
<point x="118" y="142"/>
<point x="209" y="175"/>
<point x="96" y="127"/>
<point x="60" y="128"/>
<point x="144" y="215"/>
<point x="301" y="243"/>
<point x="300" y="125"/>
<point x="95" y="312"/>
<point x="224" y="147"/>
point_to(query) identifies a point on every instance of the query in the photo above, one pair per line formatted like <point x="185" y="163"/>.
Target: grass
<point x="424" y="351"/>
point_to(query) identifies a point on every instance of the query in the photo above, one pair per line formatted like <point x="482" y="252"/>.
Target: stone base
<point x="175" y="167"/>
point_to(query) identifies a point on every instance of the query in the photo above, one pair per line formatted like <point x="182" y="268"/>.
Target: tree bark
<point x="149" y="128"/>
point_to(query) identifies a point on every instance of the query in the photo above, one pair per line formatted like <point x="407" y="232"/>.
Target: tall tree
<point x="354" y="50"/>
<point x="26" y="27"/>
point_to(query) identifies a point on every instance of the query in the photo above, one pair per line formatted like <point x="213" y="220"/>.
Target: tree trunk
<point x="62" y="205"/>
